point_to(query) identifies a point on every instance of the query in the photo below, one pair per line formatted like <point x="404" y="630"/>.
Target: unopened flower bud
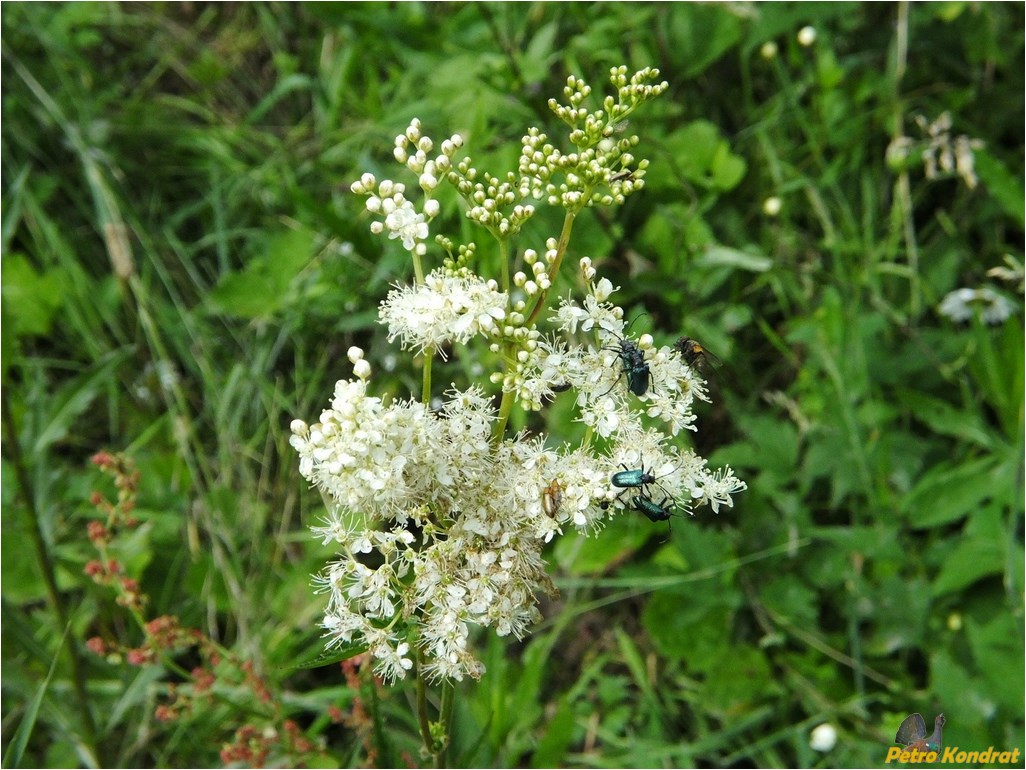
<point x="823" y="737"/>
<point x="362" y="369"/>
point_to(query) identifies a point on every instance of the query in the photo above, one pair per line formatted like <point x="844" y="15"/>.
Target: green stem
<point x="48" y="570"/>
<point x="422" y="705"/>
<point x="903" y="187"/>
<point x="445" y="718"/>
<point x="589" y="433"/>
<point x="425" y="391"/>
<point x="418" y="268"/>
<point x="504" y="263"/>
<point x="504" y="411"/>
<point x="564" y="240"/>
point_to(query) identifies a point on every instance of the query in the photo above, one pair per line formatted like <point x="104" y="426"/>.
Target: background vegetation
<point x="184" y="269"/>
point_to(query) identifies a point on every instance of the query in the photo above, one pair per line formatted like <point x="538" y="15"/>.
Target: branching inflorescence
<point x="439" y="516"/>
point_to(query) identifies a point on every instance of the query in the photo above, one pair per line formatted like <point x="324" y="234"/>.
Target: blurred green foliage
<point x="184" y="269"/>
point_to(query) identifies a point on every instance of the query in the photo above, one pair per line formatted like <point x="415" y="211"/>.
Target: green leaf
<point x="980" y="552"/>
<point x="1002" y="184"/>
<point x="582" y="555"/>
<point x="693" y="628"/>
<point x="703" y="156"/>
<point x="536" y="60"/>
<point x="16" y="748"/>
<point x="997" y="646"/>
<point x="329" y="657"/>
<point x="719" y="256"/>
<point x="699" y="35"/>
<point x="952" y="681"/>
<point x="261" y="288"/>
<point x="737" y="681"/>
<point x="899" y="609"/>
<point x="790" y="599"/>
<point x="30" y="299"/>
<point x="951" y="491"/>
<point x="942" y="417"/>
<point x="75" y="396"/>
<point x="555" y="741"/>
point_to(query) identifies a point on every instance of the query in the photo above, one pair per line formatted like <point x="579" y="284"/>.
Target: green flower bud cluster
<point x="603" y="170"/>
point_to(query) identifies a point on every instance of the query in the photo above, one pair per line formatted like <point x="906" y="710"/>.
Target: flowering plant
<point x="439" y="516"/>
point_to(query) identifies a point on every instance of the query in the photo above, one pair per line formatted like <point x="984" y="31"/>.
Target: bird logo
<point x="912" y="733"/>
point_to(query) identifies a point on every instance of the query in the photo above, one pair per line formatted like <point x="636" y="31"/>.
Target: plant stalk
<point x="47" y="569"/>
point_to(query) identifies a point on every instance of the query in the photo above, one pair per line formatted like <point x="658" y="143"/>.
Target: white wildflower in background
<point x="961" y="304"/>
<point x="823" y="738"/>
<point x="944" y="154"/>
<point x="438" y="518"/>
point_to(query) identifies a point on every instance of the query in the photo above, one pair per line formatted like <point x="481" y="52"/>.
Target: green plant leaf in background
<point x="261" y="289"/>
<point x="704" y="158"/>
<point x="30" y="299"/>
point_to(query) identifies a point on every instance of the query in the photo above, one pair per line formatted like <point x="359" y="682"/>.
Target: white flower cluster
<point x="438" y="517"/>
<point x="601" y="374"/>
<point x="400" y="217"/>
<point x="434" y="524"/>
<point x="445" y="308"/>
<point x="439" y="528"/>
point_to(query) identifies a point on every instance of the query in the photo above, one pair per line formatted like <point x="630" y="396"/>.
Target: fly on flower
<point x="694" y="353"/>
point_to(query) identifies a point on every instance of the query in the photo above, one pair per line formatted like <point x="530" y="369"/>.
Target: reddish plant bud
<point x="102" y="459"/>
<point x="203" y="679"/>
<point x="98" y="532"/>
<point x="139" y="656"/>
